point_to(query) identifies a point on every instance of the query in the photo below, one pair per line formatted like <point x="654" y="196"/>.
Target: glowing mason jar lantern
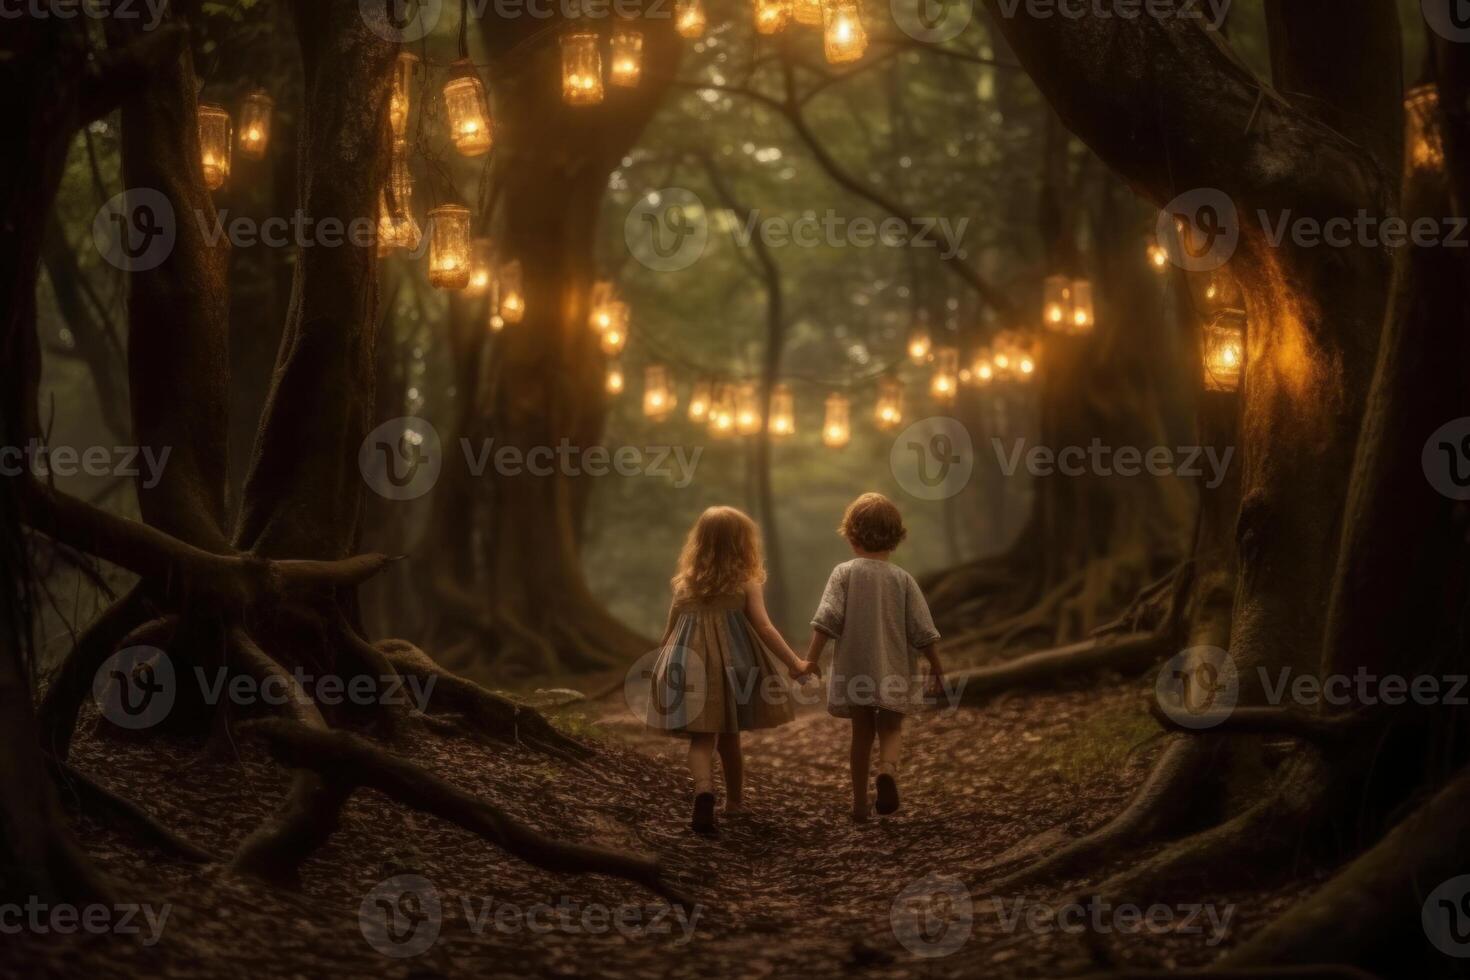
<point x="468" y="111"/>
<point x="982" y="368"/>
<point x="1425" y="144"/>
<point x="807" y="12"/>
<point x="1083" y="317"/>
<point x="255" y="124"/>
<point x="843" y="38"/>
<point x="581" y="69"/>
<point x="493" y="319"/>
<point x="1223" y="348"/>
<point x="690" y="18"/>
<point x="888" y="413"/>
<point x="482" y="267"/>
<point x="722" y="412"/>
<point x="397" y="227"/>
<point x="449" y="246"/>
<point x="771" y="16"/>
<point x="699" y="401"/>
<point x="747" y="410"/>
<point x="615" y="337"/>
<point x="214" y="144"/>
<point x="1158" y="257"/>
<point x="837" y="423"/>
<point x="1056" y="302"/>
<point x="599" y="306"/>
<point x="658" y="392"/>
<point x="513" y="292"/>
<point x="920" y="345"/>
<point x="783" y="412"/>
<point x="615" y="382"/>
<point x="945" y="380"/>
<point x="1025" y="366"/>
<point x="627" y="57"/>
<point x="398" y="98"/>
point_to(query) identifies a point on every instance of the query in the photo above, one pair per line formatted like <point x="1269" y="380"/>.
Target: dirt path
<point x="791" y="888"/>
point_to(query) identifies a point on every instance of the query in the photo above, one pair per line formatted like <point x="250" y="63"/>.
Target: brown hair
<point x="721" y="555"/>
<point x="872" y="522"/>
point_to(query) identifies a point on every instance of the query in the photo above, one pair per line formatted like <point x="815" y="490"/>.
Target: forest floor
<point x="793" y="887"/>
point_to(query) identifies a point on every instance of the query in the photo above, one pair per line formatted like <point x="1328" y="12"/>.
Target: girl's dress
<point x="713" y="674"/>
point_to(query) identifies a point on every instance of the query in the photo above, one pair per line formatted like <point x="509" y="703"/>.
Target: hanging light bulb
<point x="1084" y="317"/>
<point x="398" y="98"/>
<point x="1056" y="302"/>
<point x="982" y="368"/>
<point x="512" y="291"/>
<point x="615" y="381"/>
<point x="920" y="345"/>
<point x="843" y="38"/>
<point x="214" y="144"/>
<point x="467" y="109"/>
<point x="837" y="423"/>
<point x="397" y="227"/>
<point x="722" y="411"/>
<point x="747" y="410"/>
<point x="1425" y="143"/>
<point x="482" y="267"/>
<point x="807" y="12"/>
<point x="783" y="412"/>
<point x="1223" y="349"/>
<point x="581" y="69"/>
<point x="658" y="392"/>
<point x="689" y="18"/>
<point x="449" y="246"/>
<point x="255" y="124"/>
<point x="889" y="411"/>
<point x="627" y="57"/>
<point x="1158" y="256"/>
<point x="945" y="382"/>
<point x="699" y="401"/>
<point x="771" y="16"/>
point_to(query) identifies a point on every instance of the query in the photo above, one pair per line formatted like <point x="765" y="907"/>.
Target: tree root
<point x="348" y="762"/>
<point x="1126" y="654"/>
<point x="1318" y="729"/>
<point x="91" y="796"/>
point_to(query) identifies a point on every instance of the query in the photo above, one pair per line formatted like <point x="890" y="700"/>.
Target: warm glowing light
<point x="945" y="381"/>
<point x="837" y="422"/>
<point x="614" y="339"/>
<point x="783" y="412"/>
<point x="1222" y="345"/>
<point x="398" y="99"/>
<point x="1425" y="143"/>
<point x="214" y="144"/>
<point x="493" y="319"/>
<point x="513" y="291"/>
<point x="771" y="16"/>
<point x="889" y="411"/>
<point x="255" y="124"/>
<point x="396" y="225"/>
<point x="807" y="12"/>
<point x="627" y="57"/>
<point x="468" y="111"/>
<point x="689" y="18"/>
<point x="699" y="401"/>
<point x="449" y="246"/>
<point x="615" y="382"/>
<point x="1056" y="301"/>
<point x="658" y="392"/>
<point x="982" y="368"/>
<point x="843" y="38"/>
<point x="1158" y="257"/>
<point x="581" y="69"/>
<point x="920" y="345"/>
<point x="747" y="410"/>
<point x="1084" y="317"/>
<point x="605" y="311"/>
<point x="722" y="411"/>
<point x="482" y="267"/>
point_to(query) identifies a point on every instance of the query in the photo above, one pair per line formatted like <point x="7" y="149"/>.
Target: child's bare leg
<point x="734" y="766"/>
<point x="862" y="750"/>
<point x="890" y="740"/>
<point x="702" y="762"/>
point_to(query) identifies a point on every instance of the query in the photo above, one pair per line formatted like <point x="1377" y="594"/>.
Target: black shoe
<point x="704" y="814"/>
<point x="887" y="795"/>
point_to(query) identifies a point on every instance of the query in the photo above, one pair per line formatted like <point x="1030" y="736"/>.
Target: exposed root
<point x="1256" y="720"/>
<point x="348" y="761"/>
<point x="94" y="799"/>
<point x="1126" y="654"/>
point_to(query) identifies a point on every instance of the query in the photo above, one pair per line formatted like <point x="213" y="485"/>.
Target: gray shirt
<point x="878" y="616"/>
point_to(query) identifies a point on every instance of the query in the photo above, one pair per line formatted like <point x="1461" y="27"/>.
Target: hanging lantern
<point x="1025" y="365"/>
<point x="699" y="401"/>
<point x="255" y="124"/>
<point x="1223" y="348"/>
<point x="214" y="144"/>
<point x="945" y="380"/>
<point x="722" y="411"/>
<point x="493" y="319"/>
<point x="482" y="267"/>
<point x="1084" y="317"/>
<point x="982" y="368"/>
<point x="658" y="392"/>
<point x="581" y="69"/>
<point x="889" y="411"/>
<point x="747" y="410"/>
<point x="771" y="15"/>
<point x="398" y="99"/>
<point x="1425" y="144"/>
<point x="614" y="322"/>
<point x="919" y="345"/>
<point x="783" y="412"/>
<point x="689" y="18"/>
<point x="843" y="38"/>
<point x="614" y="339"/>
<point x="807" y="12"/>
<point x="468" y="110"/>
<point x="513" y="292"/>
<point x="605" y="311"/>
<point x="1158" y="256"/>
<point x="1056" y="302"/>
<point x="615" y="383"/>
<point x="397" y="227"/>
<point x="627" y="57"/>
<point x="837" y="423"/>
<point x="449" y="246"/>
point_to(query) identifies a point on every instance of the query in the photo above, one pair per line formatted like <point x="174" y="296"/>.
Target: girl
<point x="877" y="614"/>
<point x="715" y="675"/>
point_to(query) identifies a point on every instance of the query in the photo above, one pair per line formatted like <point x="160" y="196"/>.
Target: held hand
<point x="805" y="668"/>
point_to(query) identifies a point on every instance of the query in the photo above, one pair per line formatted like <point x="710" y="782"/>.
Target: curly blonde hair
<point x="721" y="555"/>
<point x="873" y="523"/>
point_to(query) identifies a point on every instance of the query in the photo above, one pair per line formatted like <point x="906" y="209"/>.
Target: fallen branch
<point x="1125" y="654"/>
